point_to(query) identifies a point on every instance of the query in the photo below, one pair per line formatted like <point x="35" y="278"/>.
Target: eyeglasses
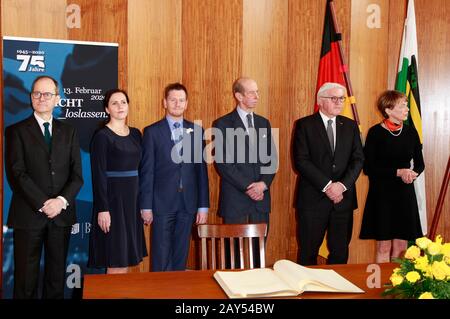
<point x="252" y="93"/>
<point x="37" y="95"/>
<point x="335" y="99"/>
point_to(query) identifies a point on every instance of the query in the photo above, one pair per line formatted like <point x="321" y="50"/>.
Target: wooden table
<point x="201" y="284"/>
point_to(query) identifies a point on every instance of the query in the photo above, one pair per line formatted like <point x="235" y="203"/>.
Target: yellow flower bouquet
<point x="424" y="272"/>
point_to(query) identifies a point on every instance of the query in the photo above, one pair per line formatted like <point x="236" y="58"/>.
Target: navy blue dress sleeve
<point x="99" y="152"/>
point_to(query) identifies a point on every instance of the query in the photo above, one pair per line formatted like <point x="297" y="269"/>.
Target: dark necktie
<point x="249" y="121"/>
<point x="330" y="134"/>
<point x="251" y="133"/>
<point x="47" y="136"/>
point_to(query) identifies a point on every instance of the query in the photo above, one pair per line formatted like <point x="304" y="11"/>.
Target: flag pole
<point x="440" y="202"/>
<point x="344" y="64"/>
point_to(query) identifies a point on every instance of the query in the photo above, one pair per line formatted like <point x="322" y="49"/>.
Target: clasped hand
<point x="334" y="192"/>
<point x="52" y="207"/>
<point x="256" y="191"/>
<point x="407" y="175"/>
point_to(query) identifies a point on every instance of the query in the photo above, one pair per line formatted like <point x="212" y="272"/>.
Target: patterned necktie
<point x="178" y="136"/>
<point x="330" y="134"/>
<point x="249" y="121"/>
<point x="47" y="136"/>
<point x="251" y="129"/>
<point x="177" y="133"/>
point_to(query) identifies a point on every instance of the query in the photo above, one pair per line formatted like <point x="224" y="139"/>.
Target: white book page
<point x="308" y="279"/>
<point x="254" y="282"/>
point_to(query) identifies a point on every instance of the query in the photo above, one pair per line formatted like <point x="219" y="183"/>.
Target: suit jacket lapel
<point x="166" y="133"/>
<point x="258" y="125"/>
<point x="187" y="126"/>
<point x="237" y="123"/>
<point x="56" y="134"/>
<point x="184" y="142"/>
<point x="237" y="120"/>
<point x="36" y="133"/>
<point x="339" y="133"/>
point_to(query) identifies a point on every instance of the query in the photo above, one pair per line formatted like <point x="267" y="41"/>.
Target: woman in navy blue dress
<point x="117" y="235"/>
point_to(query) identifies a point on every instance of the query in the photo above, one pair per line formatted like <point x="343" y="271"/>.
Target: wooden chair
<point x="216" y="234"/>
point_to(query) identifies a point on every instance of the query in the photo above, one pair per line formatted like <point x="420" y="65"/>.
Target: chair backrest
<point x="216" y="235"/>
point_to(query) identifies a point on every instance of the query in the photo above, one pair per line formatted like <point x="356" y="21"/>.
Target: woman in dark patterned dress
<point x="117" y="234"/>
<point x="393" y="160"/>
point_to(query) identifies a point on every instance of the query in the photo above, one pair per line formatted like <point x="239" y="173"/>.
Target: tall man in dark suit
<point x="174" y="181"/>
<point x="329" y="157"/>
<point x="245" y="158"/>
<point x="43" y="167"/>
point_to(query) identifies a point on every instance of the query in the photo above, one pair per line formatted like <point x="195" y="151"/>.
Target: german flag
<point x="331" y="66"/>
<point x="408" y="83"/>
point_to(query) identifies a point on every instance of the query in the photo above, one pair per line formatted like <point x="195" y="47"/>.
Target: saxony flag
<point x="408" y="83"/>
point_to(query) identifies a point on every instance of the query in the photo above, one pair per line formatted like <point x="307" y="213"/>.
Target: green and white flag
<point x="408" y="83"/>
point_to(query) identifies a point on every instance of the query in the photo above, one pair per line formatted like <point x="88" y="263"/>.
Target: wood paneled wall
<point x="208" y="44"/>
<point x="155" y="44"/>
<point x="368" y="80"/>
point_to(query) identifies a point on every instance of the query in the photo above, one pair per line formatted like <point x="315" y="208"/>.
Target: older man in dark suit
<point x="245" y="158"/>
<point x="174" y="181"/>
<point x="43" y="167"/>
<point x="329" y="157"/>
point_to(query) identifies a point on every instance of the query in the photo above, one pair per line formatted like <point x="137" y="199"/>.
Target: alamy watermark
<point x="228" y="146"/>
<point x="374" y="279"/>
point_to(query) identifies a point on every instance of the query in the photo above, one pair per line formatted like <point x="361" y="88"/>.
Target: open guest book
<point x="286" y="279"/>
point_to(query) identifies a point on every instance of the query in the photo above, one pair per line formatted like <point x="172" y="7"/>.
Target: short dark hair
<point x="175" y="87"/>
<point x="45" y="77"/>
<point x="387" y="100"/>
<point x="109" y="93"/>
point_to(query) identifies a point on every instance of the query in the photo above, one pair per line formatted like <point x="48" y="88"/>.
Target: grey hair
<point x="238" y="86"/>
<point x="328" y="86"/>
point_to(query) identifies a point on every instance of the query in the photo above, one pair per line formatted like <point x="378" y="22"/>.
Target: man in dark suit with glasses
<point x="43" y="167"/>
<point x="329" y="157"/>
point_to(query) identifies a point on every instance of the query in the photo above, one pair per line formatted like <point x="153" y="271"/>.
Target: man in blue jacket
<point x="174" y="181"/>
